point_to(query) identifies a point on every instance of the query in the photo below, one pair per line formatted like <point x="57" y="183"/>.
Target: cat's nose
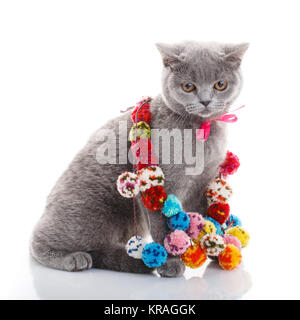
<point x="205" y="103"/>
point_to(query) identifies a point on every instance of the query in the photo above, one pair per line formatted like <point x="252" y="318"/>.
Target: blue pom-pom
<point x="217" y="225"/>
<point x="233" y="221"/>
<point x="180" y="221"/>
<point x="154" y="255"/>
<point x="171" y="206"/>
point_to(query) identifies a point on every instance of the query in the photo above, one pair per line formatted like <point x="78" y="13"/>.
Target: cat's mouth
<point x="202" y="111"/>
<point x="194" y="108"/>
<point x="207" y="113"/>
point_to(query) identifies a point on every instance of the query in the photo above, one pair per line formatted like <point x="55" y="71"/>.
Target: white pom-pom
<point x="218" y="191"/>
<point x="128" y="184"/>
<point x="135" y="247"/>
<point x="150" y="177"/>
<point x="212" y="244"/>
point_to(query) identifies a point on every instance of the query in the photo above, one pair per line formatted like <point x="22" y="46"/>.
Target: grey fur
<point x="86" y="222"/>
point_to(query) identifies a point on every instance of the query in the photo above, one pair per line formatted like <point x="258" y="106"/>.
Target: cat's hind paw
<point x="173" y="267"/>
<point x="77" y="261"/>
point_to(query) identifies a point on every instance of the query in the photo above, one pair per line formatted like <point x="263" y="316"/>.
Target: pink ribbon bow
<point x="203" y="133"/>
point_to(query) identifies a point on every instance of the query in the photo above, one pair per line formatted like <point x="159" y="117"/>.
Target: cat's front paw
<point x="77" y="261"/>
<point x="173" y="267"/>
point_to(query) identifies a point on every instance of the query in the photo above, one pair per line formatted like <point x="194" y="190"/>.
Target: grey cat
<point x="86" y="222"/>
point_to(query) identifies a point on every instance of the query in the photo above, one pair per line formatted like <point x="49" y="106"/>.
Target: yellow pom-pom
<point x="240" y="233"/>
<point x="209" y="227"/>
<point x="140" y="130"/>
<point x="194" y="257"/>
<point x="230" y="258"/>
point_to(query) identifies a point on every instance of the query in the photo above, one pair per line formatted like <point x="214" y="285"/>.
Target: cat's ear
<point x="233" y="54"/>
<point x="170" y="53"/>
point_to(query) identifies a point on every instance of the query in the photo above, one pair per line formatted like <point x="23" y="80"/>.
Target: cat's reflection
<point x="101" y="284"/>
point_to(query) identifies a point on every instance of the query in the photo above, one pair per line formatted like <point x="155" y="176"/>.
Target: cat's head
<point x="202" y="79"/>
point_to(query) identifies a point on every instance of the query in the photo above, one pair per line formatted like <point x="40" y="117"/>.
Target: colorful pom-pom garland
<point x="192" y="237"/>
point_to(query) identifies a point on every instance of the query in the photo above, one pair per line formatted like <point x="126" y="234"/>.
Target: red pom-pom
<point x="219" y="211"/>
<point x="144" y="153"/>
<point x="154" y="198"/>
<point x="230" y="165"/>
<point x="144" y="113"/>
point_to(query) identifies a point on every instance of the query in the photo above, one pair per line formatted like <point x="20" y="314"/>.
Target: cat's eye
<point x="220" y="85"/>
<point x="188" y="87"/>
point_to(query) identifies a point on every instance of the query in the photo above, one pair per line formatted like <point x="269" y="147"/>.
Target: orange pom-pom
<point x="230" y="258"/>
<point x="194" y="257"/>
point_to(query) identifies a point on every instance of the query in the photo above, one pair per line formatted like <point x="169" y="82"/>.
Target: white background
<point x="66" y="67"/>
